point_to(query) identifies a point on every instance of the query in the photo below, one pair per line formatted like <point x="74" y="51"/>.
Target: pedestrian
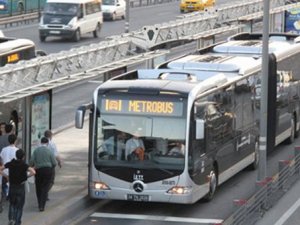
<point x="52" y="146"/>
<point x="135" y="147"/>
<point x="17" y="177"/>
<point x="2" y="128"/>
<point x="2" y="132"/>
<point x="4" y="136"/>
<point x="7" y="154"/>
<point x="1" y="197"/>
<point x="43" y="161"/>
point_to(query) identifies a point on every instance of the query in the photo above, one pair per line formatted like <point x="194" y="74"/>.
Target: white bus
<point x="205" y="102"/>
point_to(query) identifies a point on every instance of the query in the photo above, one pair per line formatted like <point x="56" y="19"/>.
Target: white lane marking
<point x="288" y="213"/>
<point x="156" y="218"/>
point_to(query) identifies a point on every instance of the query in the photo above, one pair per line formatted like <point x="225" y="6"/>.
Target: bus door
<point x="216" y="143"/>
<point x="201" y="163"/>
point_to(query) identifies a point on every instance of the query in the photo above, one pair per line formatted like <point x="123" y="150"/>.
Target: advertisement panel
<point x="40" y="117"/>
<point x="292" y="21"/>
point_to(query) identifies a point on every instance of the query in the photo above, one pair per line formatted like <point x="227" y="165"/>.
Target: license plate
<point x="54" y="32"/>
<point x="138" y="198"/>
<point x="190" y="6"/>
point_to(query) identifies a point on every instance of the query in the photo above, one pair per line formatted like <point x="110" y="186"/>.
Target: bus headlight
<point x="179" y="190"/>
<point x="101" y="186"/>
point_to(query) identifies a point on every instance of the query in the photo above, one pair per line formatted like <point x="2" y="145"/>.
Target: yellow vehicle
<point x="195" y="5"/>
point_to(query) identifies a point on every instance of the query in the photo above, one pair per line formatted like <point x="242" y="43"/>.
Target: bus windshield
<point x="159" y="138"/>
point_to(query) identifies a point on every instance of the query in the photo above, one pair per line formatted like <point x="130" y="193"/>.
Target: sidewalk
<point x="69" y="192"/>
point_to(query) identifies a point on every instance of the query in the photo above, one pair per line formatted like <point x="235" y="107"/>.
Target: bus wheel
<point x="96" y="32"/>
<point x="76" y="36"/>
<point x="213" y="183"/>
<point x="42" y="38"/>
<point x="291" y="138"/>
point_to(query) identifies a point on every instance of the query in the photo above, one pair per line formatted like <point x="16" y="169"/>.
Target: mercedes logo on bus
<point x="138" y="187"/>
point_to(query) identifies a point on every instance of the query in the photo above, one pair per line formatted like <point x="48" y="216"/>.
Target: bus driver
<point x="135" y="147"/>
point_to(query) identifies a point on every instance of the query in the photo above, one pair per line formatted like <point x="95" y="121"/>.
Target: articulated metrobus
<point x="206" y="103"/>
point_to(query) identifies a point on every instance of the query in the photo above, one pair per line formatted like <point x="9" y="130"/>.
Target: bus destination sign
<point x="13" y="58"/>
<point x="144" y="107"/>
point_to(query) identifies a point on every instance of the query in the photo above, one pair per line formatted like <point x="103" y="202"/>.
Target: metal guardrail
<point x="22" y="18"/>
<point x="43" y="73"/>
<point x="269" y="191"/>
<point x="191" y="25"/>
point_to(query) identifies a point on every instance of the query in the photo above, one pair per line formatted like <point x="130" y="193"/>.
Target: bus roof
<point x="252" y="44"/>
<point x="235" y="65"/>
<point x="152" y="81"/>
<point x="7" y="44"/>
<point x="253" y="47"/>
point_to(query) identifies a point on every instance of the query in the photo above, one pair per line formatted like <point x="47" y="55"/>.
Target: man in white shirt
<point x="7" y="154"/>
<point x="135" y="145"/>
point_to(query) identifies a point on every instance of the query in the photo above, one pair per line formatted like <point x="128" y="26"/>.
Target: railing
<point x="269" y="191"/>
<point x="16" y="19"/>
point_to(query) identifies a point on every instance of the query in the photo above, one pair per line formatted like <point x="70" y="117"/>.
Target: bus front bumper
<point x="149" y="196"/>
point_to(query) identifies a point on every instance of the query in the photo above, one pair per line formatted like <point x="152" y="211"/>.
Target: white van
<point x="70" y="18"/>
<point x="113" y="9"/>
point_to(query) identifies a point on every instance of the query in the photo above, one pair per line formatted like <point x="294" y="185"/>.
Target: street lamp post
<point x="39" y="9"/>
<point x="264" y="95"/>
<point x="127" y="16"/>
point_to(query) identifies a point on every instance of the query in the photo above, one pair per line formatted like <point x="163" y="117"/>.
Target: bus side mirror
<point x="40" y="53"/>
<point x="79" y="117"/>
<point x="200" y="129"/>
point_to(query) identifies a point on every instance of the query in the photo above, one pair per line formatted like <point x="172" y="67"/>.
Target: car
<point x="70" y="19"/>
<point x="113" y="9"/>
<point x="195" y="5"/>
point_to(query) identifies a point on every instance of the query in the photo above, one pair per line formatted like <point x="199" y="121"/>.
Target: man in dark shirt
<point x="17" y="176"/>
<point x="43" y="161"/>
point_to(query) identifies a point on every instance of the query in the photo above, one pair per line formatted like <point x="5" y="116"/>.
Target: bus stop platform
<point x="69" y="193"/>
